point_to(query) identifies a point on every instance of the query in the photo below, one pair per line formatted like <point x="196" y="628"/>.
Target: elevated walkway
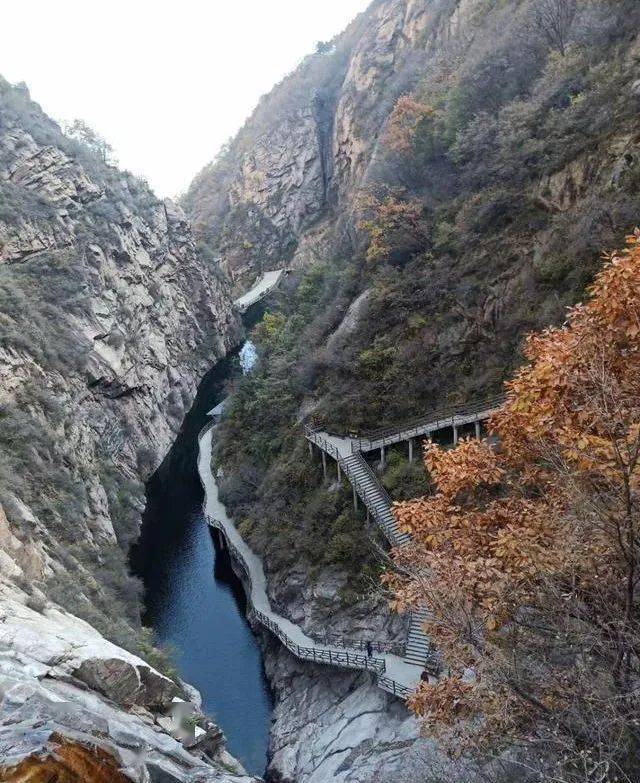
<point x="374" y="496"/>
<point x="348" y="454"/>
<point x="391" y="672"/>
<point x="261" y="288"/>
<point x="453" y="418"/>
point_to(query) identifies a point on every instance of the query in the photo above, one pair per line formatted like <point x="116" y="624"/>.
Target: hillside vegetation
<point x="499" y="159"/>
<point x="528" y="555"/>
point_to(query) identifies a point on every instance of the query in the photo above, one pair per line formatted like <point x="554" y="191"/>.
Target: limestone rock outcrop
<point x="71" y="703"/>
<point x="108" y="320"/>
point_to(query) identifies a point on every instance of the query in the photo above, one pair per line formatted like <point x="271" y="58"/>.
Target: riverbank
<point x="193" y="600"/>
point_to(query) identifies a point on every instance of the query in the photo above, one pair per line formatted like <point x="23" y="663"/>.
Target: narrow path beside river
<point x="194" y="601"/>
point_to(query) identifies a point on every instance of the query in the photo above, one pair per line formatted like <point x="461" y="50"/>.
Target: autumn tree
<point x="396" y="228"/>
<point x="409" y="121"/>
<point x="528" y="554"/>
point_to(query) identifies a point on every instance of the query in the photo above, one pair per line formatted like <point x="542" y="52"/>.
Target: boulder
<point x="125" y="683"/>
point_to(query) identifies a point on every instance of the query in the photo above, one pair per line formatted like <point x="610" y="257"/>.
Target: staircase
<point x="348" y="453"/>
<point x="374" y="496"/>
<point x="418" y="650"/>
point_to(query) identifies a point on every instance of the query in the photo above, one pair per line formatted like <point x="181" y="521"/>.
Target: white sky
<point x="166" y="83"/>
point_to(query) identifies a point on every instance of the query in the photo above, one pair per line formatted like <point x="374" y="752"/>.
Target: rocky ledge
<point x="72" y="701"/>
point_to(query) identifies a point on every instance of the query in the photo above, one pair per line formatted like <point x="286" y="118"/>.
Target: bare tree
<point x="553" y="20"/>
<point x="80" y="131"/>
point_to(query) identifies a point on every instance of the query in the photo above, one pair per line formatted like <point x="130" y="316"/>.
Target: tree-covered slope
<point x="464" y="147"/>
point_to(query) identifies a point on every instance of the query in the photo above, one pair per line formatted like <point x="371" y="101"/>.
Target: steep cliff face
<point x="300" y="160"/>
<point x="432" y="233"/>
<point x="476" y="207"/>
<point x="108" y="319"/>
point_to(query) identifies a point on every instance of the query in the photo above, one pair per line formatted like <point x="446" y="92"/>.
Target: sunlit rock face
<point x="108" y="320"/>
<point x="293" y="172"/>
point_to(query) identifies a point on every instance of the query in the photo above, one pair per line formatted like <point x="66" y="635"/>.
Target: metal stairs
<point x="374" y="496"/>
<point x="418" y="650"/>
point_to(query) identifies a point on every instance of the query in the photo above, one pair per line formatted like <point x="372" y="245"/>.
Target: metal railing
<point x="368" y="498"/>
<point x="334" y="640"/>
<point x="434" y="420"/>
<point x="387" y="684"/>
<point x="318" y="654"/>
<point x="371" y="499"/>
<point x="314" y="436"/>
<point x="347" y="660"/>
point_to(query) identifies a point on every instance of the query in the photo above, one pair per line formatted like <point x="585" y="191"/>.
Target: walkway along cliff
<point x="393" y="673"/>
<point x="348" y="454"/>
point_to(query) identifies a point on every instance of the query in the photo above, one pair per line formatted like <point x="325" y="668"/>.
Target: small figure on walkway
<point x="369" y="649"/>
<point x="424" y="676"/>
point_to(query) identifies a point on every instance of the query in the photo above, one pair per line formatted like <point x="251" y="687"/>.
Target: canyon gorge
<point x="436" y="182"/>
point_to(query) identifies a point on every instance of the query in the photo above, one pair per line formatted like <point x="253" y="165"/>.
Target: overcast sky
<point x="166" y="83"/>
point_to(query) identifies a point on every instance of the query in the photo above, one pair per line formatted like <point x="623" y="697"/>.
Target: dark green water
<point x="194" y="601"/>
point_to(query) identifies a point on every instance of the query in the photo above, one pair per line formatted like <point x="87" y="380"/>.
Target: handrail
<point x="387" y="684"/>
<point x="364" y="494"/>
<point x="315" y="654"/>
<point x="389" y="528"/>
<point x="362" y="463"/>
<point x="439" y="416"/>
<point x="334" y="640"/>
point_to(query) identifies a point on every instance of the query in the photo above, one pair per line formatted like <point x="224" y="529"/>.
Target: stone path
<point x="260" y="289"/>
<point x="391" y="672"/>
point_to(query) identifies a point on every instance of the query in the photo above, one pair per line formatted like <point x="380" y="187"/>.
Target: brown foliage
<point x="529" y="554"/>
<point x="395" y="227"/>
<point x="68" y="762"/>
<point x="407" y="116"/>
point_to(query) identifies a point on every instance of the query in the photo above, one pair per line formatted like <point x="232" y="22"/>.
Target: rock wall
<point x="299" y="162"/>
<point x="108" y="319"/>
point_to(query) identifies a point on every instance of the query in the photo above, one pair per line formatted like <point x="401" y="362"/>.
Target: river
<point x="193" y="599"/>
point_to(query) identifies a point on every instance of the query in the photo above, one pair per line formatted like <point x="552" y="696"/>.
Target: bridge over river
<point x="261" y="288"/>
